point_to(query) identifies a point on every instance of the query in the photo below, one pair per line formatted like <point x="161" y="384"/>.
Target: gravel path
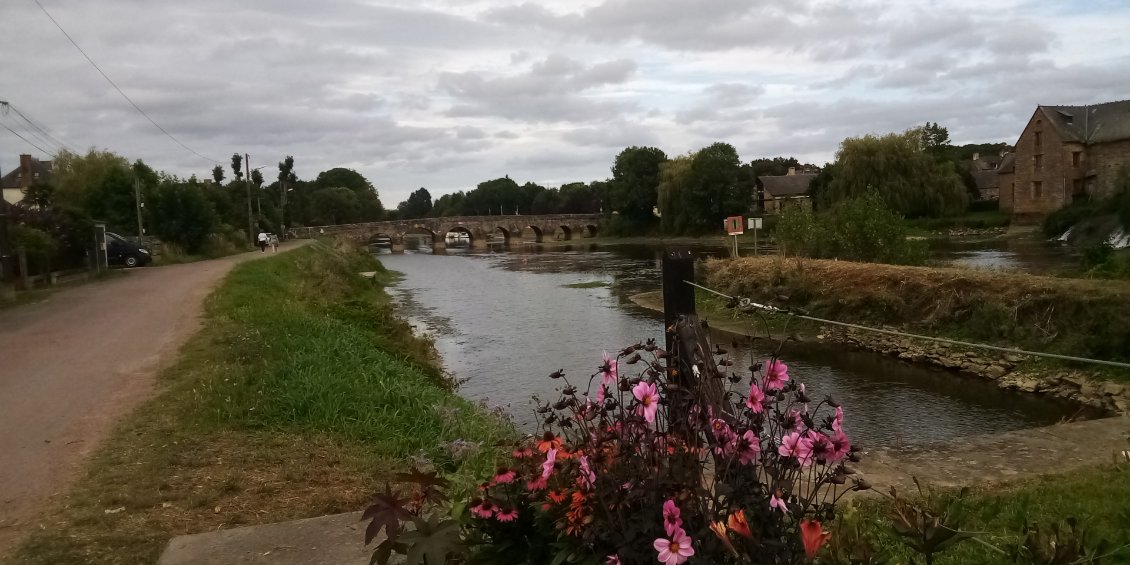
<point x="75" y="363"/>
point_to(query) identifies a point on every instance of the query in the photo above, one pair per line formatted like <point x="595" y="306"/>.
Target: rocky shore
<point x="1006" y="369"/>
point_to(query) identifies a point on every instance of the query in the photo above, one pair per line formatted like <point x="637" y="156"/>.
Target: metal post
<point x="6" y="269"/>
<point x="282" y="210"/>
<point x="678" y="296"/>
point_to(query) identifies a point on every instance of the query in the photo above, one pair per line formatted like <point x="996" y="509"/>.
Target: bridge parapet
<point x="533" y="227"/>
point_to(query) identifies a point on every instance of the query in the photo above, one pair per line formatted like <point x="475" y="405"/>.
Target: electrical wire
<point x="120" y="91"/>
<point x="43" y="133"/>
<point x="749" y="304"/>
<point x="26" y="140"/>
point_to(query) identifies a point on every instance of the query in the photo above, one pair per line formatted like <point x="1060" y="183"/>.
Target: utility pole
<point x="247" y="177"/>
<point x="282" y="209"/>
<point x="137" y="202"/>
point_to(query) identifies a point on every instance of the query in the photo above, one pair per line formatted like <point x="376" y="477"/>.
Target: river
<point x="503" y="320"/>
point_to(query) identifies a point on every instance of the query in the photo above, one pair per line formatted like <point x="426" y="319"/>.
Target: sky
<point x="445" y="94"/>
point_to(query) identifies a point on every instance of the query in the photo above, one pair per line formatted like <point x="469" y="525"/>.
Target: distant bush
<point x="856" y="229"/>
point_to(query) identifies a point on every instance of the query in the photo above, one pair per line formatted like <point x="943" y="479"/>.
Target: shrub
<point x="709" y="463"/>
<point x="856" y="229"/>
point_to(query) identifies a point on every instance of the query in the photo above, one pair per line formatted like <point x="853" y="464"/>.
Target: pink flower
<point x="777" y="503"/>
<point x="793" y="420"/>
<point x="838" y="421"/>
<point x="675" y="550"/>
<point x="749" y="447"/>
<point x="776" y="374"/>
<point x="537" y="484"/>
<point x="484" y="509"/>
<point x="612" y="560"/>
<point x="803" y="451"/>
<point x="790" y="445"/>
<point x="547" y="466"/>
<point x="841" y="447"/>
<point x="820" y="448"/>
<point x="608" y="373"/>
<point x="672" y="520"/>
<point x="648" y="396"/>
<point x="588" y="478"/>
<point x="756" y="399"/>
<point x="504" y="477"/>
<point x="506" y="514"/>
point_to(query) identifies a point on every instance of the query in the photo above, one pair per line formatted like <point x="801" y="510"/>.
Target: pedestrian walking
<point x="262" y="242"/>
<point x="274" y="239"/>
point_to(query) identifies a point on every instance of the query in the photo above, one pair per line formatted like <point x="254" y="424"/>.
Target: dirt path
<point x="73" y="364"/>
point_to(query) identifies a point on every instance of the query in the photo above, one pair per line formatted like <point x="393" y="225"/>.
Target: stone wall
<point x="996" y="366"/>
<point x="1040" y="185"/>
<point x="1107" y="160"/>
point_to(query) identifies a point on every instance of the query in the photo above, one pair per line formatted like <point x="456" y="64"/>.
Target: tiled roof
<point x="1008" y="165"/>
<point x="12" y="179"/>
<point x="1096" y="123"/>
<point x="786" y="185"/>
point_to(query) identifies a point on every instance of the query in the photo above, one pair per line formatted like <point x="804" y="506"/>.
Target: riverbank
<point x="299" y="396"/>
<point x="1084" y="318"/>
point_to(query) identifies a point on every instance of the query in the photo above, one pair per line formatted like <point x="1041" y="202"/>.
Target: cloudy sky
<point x="447" y="93"/>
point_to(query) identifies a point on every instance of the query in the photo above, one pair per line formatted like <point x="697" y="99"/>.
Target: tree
<point x="715" y="190"/>
<point x="182" y="214"/>
<point x="74" y="176"/>
<point x="237" y="166"/>
<point x="911" y="181"/>
<point x="369" y="207"/>
<point x="418" y="205"/>
<point x="334" y="205"/>
<point x="218" y="174"/>
<point x="635" y="182"/>
<point x="257" y="178"/>
<point x="674" y="182"/>
<point x="41" y="195"/>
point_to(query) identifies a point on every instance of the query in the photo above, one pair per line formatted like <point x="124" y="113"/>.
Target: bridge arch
<point x="460" y="230"/>
<point x="501" y="231"/>
<point x="589" y="230"/>
<point x="563" y="233"/>
<point x="536" y="231"/>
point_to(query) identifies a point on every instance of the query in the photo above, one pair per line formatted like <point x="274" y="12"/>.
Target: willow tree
<point x="674" y="181"/>
<point x="911" y="180"/>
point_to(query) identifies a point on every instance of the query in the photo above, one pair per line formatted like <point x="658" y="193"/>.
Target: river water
<point x="503" y="320"/>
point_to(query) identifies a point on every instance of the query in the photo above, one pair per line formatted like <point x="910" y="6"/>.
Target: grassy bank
<point x="1096" y="497"/>
<point x="299" y="395"/>
<point x="1086" y="318"/>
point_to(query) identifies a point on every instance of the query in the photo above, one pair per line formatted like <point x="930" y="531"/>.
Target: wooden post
<point x="25" y="278"/>
<point x="678" y="296"/>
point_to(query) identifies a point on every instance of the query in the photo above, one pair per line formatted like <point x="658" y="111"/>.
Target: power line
<point x="120" y="91"/>
<point x="44" y="134"/>
<point x="28" y="130"/>
<point x="24" y="138"/>
<point x="746" y="303"/>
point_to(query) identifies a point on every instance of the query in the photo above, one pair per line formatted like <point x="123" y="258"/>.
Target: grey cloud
<point x="552" y="90"/>
<point x="724" y="101"/>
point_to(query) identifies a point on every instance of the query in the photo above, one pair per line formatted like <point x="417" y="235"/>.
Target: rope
<point x="746" y="303"/>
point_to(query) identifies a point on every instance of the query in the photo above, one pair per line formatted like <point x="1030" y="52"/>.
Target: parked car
<point x="121" y="251"/>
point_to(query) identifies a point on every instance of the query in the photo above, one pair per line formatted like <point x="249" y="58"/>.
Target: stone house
<point x="1066" y="153"/>
<point x="30" y="172"/>
<point x="775" y="191"/>
<point x="984" y="170"/>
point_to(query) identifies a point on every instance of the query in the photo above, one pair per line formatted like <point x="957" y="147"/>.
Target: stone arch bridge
<point x="535" y="228"/>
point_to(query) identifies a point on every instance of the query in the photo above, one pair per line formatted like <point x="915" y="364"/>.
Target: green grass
<point x="589" y="284"/>
<point x="1099" y="498"/>
<point x="300" y="395"/>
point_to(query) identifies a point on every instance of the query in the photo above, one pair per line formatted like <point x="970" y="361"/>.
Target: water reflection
<point x="1036" y="257"/>
<point x="504" y="320"/>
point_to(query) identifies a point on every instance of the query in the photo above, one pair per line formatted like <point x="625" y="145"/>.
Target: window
<point x="1039" y="139"/>
<point x="1076" y="158"/>
<point x="1037" y="162"/>
<point x="1037" y="189"/>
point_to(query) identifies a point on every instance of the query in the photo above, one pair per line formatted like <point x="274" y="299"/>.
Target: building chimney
<point x="25" y="171"/>
<point x="792" y="171"/>
<point x="976" y="156"/>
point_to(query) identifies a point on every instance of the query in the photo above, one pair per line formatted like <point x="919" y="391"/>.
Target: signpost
<point x="735" y="227"/>
<point x="755" y="225"/>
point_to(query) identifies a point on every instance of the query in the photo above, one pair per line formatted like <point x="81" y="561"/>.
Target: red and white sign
<point x="735" y="225"/>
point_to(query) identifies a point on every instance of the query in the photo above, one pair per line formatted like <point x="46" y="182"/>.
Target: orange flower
<point x="549" y="441"/>
<point x="738" y="523"/>
<point x="812" y="535"/>
<point x="719" y="530"/>
<point x="557" y="496"/>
